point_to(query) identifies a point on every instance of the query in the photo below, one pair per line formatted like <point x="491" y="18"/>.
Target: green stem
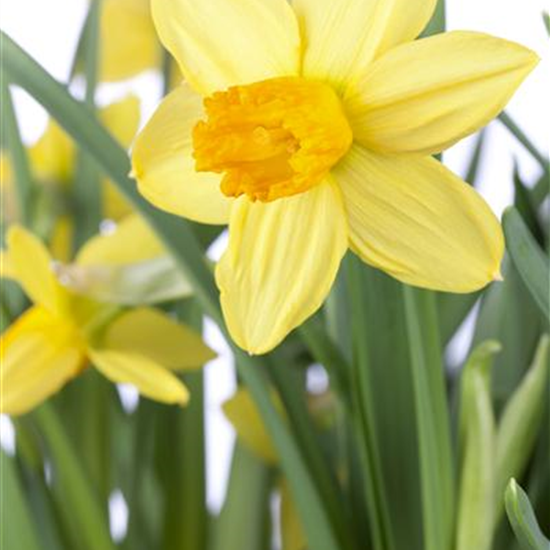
<point x="520" y="135"/>
<point x="80" y="504"/>
<point x="17" y="154"/>
<point x="363" y="413"/>
<point x="290" y="386"/>
<point x="325" y="352"/>
<point x="87" y="183"/>
<point x="436" y="475"/>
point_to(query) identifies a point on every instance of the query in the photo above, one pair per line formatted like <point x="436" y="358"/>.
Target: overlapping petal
<point x="32" y="266"/>
<point x="165" y="169"/>
<point x="131" y="241"/>
<point x="52" y="156"/>
<point x="281" y="261"/>
<point x="414" y="219"/>
<point x="150" y="333"/>
<point x="150" y="378"/>
<point x="424" y="96"/>
<point x="39" y="354"/>
<point x="342" y="37"/>
<point x="219" y="43"/>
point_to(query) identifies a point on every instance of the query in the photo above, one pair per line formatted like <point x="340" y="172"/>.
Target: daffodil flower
<point x="61" y="333"/>
<point x="309" y="127"/>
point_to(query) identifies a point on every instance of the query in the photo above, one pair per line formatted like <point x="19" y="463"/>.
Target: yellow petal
<point x="39" y="354"/>
<point x="122" y="118"/>
<point x="342" y="37"/>
<point x="292" y="533"/>
<point x="424" y="96"/>
<point x="154" y="335"/>
<point x="416" y="220"/>
<point x="61" y="242"/>
<point x="220" y="44"/>
<point x="132" y="241"/>
<point x="243" y="414"/>
<point x="32" y="266"/>
<point x="129" y="43"/>
<point x="115" y="205"/>
<point x="52" y="157"/>
<point x="151" y="379"/>
<point x="164" y="168"/>
<point x="280" y="264"/>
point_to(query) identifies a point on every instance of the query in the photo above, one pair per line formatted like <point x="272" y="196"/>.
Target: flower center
<point x="271" y="139"/>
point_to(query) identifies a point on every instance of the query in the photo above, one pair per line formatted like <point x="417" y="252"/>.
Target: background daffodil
<point x="53" y="159"/>
<point x="131" y="48"/>
<point x="53" y="341"/>
<point x="321" y="118"/>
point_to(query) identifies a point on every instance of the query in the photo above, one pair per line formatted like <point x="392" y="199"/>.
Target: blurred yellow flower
<point x="243" y="414"/>
<point x="315" y="136"/>
<point x="52" y="159"/>
<point x="53" y="340"/>
<point x="129" y="43"/>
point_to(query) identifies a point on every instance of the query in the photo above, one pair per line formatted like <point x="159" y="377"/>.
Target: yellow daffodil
<point x="308" y="128"/>
<point x="53" y="341"/>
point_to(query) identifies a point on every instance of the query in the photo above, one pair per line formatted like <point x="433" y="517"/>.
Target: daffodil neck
<point x="94" y="329"/>
<point x="271" y="139"/>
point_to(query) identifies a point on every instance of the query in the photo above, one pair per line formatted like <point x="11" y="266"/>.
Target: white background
<point x="48" y="30"/>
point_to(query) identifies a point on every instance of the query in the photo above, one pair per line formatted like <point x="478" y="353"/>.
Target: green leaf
<point x="87" y="188"/>
<point x="78" y="502"/>
<point x="433" y="424"/>
<point x="437" y="22"/>
<point x="472" y="172"/>
<point x="509" y="315"/>
<point x="546" y="21"/>
<point x="526" y="206"/>
<point x="17" y="156"/>
<point x="392" y="396"/>
<point x="181" y="467"/>
<point x="520" y="135"/>
<point x="244" y="522"/>
<point x="452" y="310"/>
<point x="180" y="241"/>
<point x="476" y="509"/>
<point x="181" y="464"/>
<point x="520" y="421"/>
<point x="528" y="258"/>
<point x="523" y="520"/>
<point x="363" y="412"/>
<point x="18" y="525"/>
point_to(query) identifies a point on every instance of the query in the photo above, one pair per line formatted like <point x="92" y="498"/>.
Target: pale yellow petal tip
<point x="497" y="277"/>
<point x="183" y="399"/>
<point x="132" y="174"/>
